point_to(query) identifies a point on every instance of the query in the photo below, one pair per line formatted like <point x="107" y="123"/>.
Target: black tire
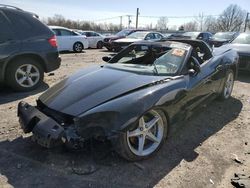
<point x="78" y="47"/>
<point x="120" y="143"/>
<point x="12" y="74"/>
<point x="99" y="45"/>
<point x="226" y="95"/>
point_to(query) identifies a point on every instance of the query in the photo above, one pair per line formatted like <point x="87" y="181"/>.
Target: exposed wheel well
<point x="234" y="69"/>
<point x="30" y="56"/>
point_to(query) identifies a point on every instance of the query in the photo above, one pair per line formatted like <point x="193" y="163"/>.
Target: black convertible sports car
<point x="134" y="99"/>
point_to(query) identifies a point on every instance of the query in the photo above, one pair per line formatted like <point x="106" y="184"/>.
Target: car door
<point x="97" y="37"/>
<point x="91" y="39"/>
<point x="9" y="44"/>
<point x="66" y="39"/>
<point x="199" y="90"/>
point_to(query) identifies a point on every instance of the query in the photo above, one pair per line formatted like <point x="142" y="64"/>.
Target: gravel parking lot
<point x="205" y="151"/>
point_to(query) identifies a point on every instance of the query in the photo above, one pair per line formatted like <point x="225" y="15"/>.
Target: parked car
<point x="135" y="37"/>
<point x="95" y="39"/>
<point x="69" y="40"/>
<point x="242" y="45"/>
<point x="205" y="36"/>
<point x="28" y="48"/>
<point x="222" y="38"/>
<point x="122" y="34"/>
<point x="134" y="100"/>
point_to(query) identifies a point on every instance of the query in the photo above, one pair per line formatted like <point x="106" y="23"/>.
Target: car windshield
<point x="150" y="60"/>
<point x="123" y="33"/>
<point x="193" y="35"/>
<point x="137" y="35"/>
<point x="227" y="36"/>
<point x="243" y="38"/>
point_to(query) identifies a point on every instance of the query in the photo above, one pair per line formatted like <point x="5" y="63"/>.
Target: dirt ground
<point x="205" y="151"/>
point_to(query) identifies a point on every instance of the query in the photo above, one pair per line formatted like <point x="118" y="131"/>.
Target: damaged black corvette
<point x="134" y="99"/>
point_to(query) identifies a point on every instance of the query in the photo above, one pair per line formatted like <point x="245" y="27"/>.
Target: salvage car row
<point x="30" y="49"/>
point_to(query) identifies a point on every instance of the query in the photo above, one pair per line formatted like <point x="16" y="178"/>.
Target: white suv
<point x="69" y="40"/>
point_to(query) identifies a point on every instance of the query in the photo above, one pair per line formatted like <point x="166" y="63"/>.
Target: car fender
<point x="119" y="114"/>
<point x="19" y="55"/>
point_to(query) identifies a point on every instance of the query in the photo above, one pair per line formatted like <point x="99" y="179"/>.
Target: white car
<point x="69" y="40"/>
<point x="95" y="39"/>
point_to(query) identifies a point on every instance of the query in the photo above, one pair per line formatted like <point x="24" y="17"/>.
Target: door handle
<point x="219" y="67"/>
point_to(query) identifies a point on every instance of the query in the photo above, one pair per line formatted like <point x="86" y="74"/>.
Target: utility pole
<point x="137" y="15"/>
<point x="246" y="21"/>
<point x="121" y="22"/>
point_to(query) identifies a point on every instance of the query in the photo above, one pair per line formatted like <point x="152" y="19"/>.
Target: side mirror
<point x="106" y="58"/>
<point x="194" y="67"/>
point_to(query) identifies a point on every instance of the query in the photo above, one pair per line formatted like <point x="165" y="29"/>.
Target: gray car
<point x="242" y="45"/>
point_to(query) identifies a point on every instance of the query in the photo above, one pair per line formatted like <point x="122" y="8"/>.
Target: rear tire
<point x="24" y="74"/>
<point x="144" y="139"/>
<point x="99" y="45"/>
<point x="227" y="86"/>
<point x="78" y="47"/>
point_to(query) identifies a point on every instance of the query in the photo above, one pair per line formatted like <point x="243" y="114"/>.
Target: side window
<point x="150" y="36"/>
<point x="200" y="36"/>
<point x="88" y="34"/>
<point x="158" y="36"/>
<point x="20" y="24"/>
<point x="65" y="32"/>
<point x="94" y="34"/>
<point x="5" y="31"/>
<point x="57" y="32"/>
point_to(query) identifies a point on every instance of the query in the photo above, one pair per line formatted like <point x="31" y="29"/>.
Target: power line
<point x="148" y="16"/>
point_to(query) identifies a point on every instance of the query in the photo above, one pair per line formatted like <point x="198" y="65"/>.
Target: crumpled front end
<point x="46" y="131"/>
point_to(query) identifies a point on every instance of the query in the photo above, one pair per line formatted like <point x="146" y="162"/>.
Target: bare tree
<point x="190" y="26"/>
<point x="59" y="20"/>
<point x="162" y="24"/>
<point x="231" y="19"/>
<point x="200" y="19"/>
<point x="210" y="24"/>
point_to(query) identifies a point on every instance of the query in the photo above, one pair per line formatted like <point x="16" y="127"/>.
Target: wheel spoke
<point x="152" y="122"/>
<point x="134" y="133"/>
<point x="35" y="74"/>
<point x="152" y="137"/>
<point x="29" y="67"/>
<point x="30" y="81"/>
<point x="20" y="71"/>
<point x="141" y="144"/>
<point x="21" y="80"/>
<point x="142" y="122"/>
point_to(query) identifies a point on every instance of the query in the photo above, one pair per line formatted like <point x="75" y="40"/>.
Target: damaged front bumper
<point x="46" y="131"/>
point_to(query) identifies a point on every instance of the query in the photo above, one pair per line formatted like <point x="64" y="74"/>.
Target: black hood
<point x="91" y="87"/>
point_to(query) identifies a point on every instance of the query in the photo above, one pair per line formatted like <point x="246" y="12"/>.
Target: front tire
<point x="24" y="74"/>
<point x="144" y="139"/>
<point x="78" y="47"/>
<point x="227" y="86"/>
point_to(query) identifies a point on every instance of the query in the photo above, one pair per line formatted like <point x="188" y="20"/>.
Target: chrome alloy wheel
<point x="148" y="135"/>
<point x="78" y="47"/>
<point x="27" y="75"/>
<point x="229" y="85"/>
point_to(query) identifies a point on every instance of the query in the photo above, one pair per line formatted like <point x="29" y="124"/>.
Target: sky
<point x="100" y="11"/>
